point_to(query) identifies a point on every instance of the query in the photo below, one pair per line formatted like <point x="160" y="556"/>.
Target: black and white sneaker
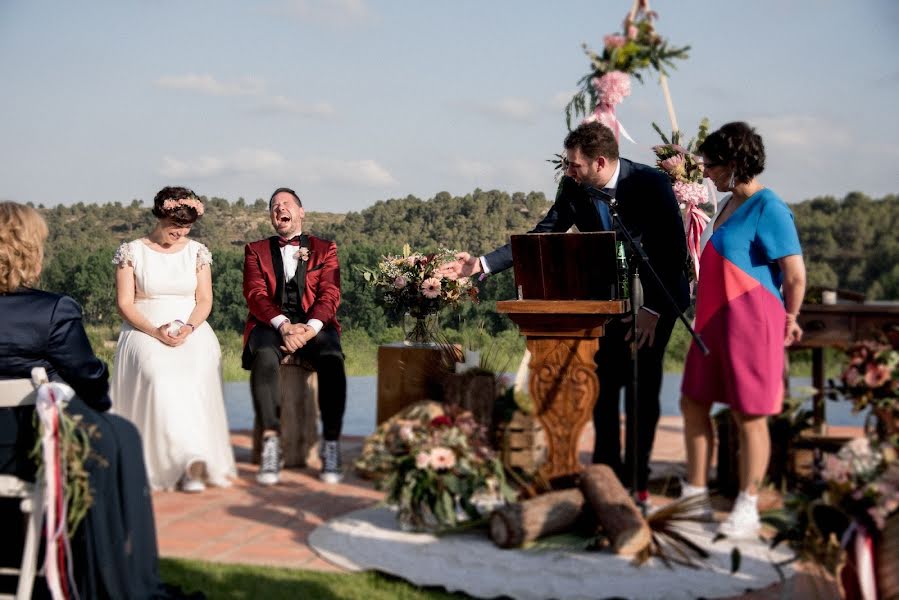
<point x="270" y="464"/>
<point x="331" y="472"/>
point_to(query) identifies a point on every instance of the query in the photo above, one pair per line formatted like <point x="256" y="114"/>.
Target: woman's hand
<point x="170" y="334"/>
<point x="793" y="331"/>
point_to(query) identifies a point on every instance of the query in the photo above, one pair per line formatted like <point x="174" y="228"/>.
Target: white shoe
<point x="194" y="474"/>
<point x="743" y="521"/>
<point x="331" y="472"/>
<point x="699" y="496"/>
<point x="270" y="463"/>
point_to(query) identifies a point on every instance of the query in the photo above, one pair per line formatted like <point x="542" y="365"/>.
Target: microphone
<point x="601" y="195"/>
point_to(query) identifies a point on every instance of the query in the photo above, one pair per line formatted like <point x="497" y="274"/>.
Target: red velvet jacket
<point x="263" y="280"/>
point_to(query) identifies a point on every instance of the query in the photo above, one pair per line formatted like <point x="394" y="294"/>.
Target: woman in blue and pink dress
<point x="751" y="284"/>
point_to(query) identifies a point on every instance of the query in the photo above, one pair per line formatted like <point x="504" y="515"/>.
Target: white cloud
<point x="247" y="160"/>
<point x="209" y="85"/>
<point x="260" y="161"/>
<point x="284" y="105"/>
<point x="799" y="131"/>
<point x="561" y="99"/>
<point x="364" y="172"/>
<point x="513" y="109"/>
<point x="337" y="12"/>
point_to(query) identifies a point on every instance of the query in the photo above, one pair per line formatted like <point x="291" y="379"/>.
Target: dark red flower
<point x="441" y="421"/>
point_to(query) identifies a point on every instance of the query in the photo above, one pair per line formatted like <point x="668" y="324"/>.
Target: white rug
<point x="471" y="563"/>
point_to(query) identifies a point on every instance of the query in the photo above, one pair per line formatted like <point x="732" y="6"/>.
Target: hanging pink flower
<point x="612" y="88"/>
<point x="430" y="287"/>
<point x="690" y="194"/>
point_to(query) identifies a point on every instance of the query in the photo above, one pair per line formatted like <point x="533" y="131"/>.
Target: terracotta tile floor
<point x="250" y="524"/>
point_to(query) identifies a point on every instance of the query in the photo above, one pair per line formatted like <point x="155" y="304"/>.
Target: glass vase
<point x="420" y="329"/>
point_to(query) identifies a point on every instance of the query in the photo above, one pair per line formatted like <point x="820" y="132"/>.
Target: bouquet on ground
<point x="410" y="284"/>
<point x="684" y="169"/>
<point x="871" y="379"/>
<point x="437" y="472"/>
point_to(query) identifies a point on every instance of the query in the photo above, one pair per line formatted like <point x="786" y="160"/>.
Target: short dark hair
<point x="180" y="213"/>
<point x="594" y="140"/>
<point x="736" y="143"/>
<point x="285" y="190"/>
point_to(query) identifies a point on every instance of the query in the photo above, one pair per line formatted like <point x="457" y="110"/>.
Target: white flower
<point x="422" y="460"/>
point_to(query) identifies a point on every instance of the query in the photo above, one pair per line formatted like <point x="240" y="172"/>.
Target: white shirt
<point x="290" y="260"/>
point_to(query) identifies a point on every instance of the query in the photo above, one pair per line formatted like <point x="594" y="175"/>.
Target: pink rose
<point x="399" y="282"/>
<point x="632" y="32"/>
<point x="422" y="460"/>
<point x="302" y="254"/>
<point x="614" y="41"/>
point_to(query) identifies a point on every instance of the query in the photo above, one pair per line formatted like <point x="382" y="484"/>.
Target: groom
<point x="291" y="282"/>
<point x="647" y="207"/>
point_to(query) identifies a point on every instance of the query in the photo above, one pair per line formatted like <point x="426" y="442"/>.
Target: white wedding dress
<point x="172" y="394"/>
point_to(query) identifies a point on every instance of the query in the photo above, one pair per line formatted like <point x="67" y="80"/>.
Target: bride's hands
<point x="166" y="333"/>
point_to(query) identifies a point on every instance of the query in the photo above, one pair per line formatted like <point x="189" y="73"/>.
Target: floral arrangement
<point x="863" y="480"/>
<point x="436" y="472"/>
<point x="684" y="168"/>
<point x="871" y="379"/>
<point x="410" y="283"/>
<point x="635" y="49"/>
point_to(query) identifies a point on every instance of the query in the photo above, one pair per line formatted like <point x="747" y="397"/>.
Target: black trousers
<point x="615" y="368"/>
<point x="323" y="353"/>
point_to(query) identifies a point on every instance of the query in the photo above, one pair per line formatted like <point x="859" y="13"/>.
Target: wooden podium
<point x="563" y="337"/>
<point x="567" y="290"/>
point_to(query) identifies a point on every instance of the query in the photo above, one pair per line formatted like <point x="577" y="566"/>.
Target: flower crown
<point x="196" y="205"/>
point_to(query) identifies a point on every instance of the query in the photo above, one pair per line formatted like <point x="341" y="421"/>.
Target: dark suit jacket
<point x="263" y="282"/>
<point x="647" y="207"/>
<point x="42" y="329"/>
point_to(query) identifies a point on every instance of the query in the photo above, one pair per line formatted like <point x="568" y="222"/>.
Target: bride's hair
<point x="179" y="204"/>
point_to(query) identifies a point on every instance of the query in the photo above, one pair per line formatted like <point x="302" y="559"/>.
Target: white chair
<point x="13" y="393"/>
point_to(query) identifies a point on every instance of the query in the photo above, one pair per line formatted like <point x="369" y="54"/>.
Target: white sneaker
<point x="743" y="521"/>
<point x="331" y="472"/>
<point x="270" y="462"/>
<point x="698" y="496"/>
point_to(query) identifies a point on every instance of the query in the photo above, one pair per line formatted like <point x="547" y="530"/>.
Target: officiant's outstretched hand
<point x="465" y="265"/>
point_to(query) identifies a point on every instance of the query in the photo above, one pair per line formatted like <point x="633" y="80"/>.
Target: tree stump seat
<point x="299" y="416"/>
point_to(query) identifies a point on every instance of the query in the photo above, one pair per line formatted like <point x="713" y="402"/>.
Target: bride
<point x="167" y="377"/>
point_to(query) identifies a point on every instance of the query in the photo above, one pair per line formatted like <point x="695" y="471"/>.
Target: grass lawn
<point x="251" y="582"/>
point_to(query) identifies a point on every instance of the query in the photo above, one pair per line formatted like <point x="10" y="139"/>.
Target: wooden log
<point x="528" y="520"/>
<point x="299" y="416"/>
<point x="615" y="510"/>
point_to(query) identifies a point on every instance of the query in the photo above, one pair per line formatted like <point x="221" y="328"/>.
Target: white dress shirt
<point x="290" y="260"/>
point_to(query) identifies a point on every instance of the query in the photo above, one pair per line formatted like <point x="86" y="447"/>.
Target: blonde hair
<point x="23" y="232"/>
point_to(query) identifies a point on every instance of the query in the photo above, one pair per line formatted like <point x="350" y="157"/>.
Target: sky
<point x="351" y="102"/>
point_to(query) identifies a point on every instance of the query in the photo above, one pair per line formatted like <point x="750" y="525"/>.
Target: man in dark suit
<point x="648" y="209"/>
<point x="291" y="282"/>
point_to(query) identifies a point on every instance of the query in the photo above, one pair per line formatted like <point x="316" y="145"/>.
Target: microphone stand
<point x="637" y="251"/>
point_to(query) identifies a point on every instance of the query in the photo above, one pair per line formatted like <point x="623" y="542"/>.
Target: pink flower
<point x="674" y="165"/>
<point x="430" y="287"/>
<point x="442" y="458"/>
<point x="189" y="202"/>
<point x="632" y="32"/>
<point x="422" y="460"/>
<point x="614" y="41"/>
<point x="612" y="88"/>
<point x="302" y="254"/>
<point x="399" y="282"/>
<point x="877" y="375"/>
<point x="690" y="194"/>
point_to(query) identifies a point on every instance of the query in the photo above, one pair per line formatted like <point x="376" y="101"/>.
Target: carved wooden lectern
<point x="563" y="334"/>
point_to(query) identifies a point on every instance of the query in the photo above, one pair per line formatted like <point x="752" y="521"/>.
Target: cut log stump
<point x="299" y="416"/>
<point x="526" y="521"/>
<point x="615" y="510"/>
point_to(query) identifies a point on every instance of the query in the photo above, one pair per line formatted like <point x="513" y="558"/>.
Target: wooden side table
<point x="405" y="376"/>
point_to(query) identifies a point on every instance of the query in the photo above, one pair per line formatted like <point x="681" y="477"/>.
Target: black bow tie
<point x="294" y="241"/>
